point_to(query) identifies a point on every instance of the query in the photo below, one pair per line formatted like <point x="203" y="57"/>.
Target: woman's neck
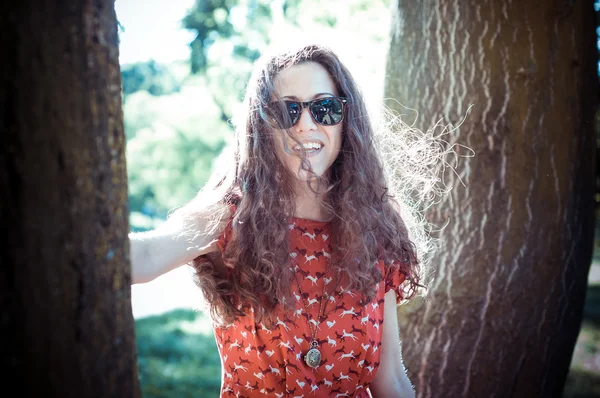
<point x="310" y="205"/>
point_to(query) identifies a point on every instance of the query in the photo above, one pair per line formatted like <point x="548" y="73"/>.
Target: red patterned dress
<point x="261" y="362"/>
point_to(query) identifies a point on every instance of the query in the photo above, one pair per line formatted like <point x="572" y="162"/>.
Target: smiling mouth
<point x="310" y="148"/>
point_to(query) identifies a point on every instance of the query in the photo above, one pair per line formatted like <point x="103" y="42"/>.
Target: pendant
<point x="313" y="356"/>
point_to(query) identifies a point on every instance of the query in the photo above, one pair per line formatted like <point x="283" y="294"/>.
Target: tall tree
<point x="510" y="279"/>
<point x="66" y="323"/>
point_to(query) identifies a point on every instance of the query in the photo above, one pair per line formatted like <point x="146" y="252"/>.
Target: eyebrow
<point x="313" y="97"/>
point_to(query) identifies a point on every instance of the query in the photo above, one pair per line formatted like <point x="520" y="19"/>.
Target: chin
<point x="317" y="173"/>
<point x="305" y="176"/>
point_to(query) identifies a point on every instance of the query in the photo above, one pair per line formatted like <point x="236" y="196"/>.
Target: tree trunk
<point x="510" y="277"/>
<point x="67" y="324"/>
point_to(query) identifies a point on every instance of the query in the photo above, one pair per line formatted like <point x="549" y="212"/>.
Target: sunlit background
<point x="184" y="67"/>
<point x="152" y="36"/>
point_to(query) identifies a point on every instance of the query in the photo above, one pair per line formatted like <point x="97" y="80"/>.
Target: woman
<point x="298" y="246"/>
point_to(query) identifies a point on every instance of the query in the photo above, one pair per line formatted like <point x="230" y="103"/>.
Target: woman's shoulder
<point x="199" y="223"/>
<point x="185" y="235"/>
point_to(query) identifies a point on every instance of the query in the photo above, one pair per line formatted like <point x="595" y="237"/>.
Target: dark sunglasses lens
<point x="328" y="111"/>
<point x="294" y="112"/>
<point x="283" y="115"/>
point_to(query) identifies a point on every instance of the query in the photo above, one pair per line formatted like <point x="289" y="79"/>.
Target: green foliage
<point x="177" y="356"/>
<point x="229" y="38"/>
<point x="210" y="19"/>
<point x="172" y="141"/>
<point x="149" y="76"/>
<point x="230" y="21"/>
<point x="169" y="166"/>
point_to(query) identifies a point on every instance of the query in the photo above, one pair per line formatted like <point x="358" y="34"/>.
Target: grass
<point x="177" y="356"/>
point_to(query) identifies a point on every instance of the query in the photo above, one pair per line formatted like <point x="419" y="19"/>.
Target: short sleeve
<point x="395" y="279"/>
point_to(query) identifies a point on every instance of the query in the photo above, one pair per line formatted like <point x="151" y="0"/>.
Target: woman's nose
<point x="306" y="122"/>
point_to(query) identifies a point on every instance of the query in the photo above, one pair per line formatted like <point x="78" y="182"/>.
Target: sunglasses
<point x="327" y="111"/>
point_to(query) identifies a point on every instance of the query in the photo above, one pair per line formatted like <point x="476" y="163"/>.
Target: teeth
<point x="309" y="146"/>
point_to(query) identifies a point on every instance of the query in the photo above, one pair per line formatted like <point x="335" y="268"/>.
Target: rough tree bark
<point x="510" y="278"/>
<point x="67" y="324"/>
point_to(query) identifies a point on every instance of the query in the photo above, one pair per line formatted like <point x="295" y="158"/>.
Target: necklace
<point x="313" y="356"/>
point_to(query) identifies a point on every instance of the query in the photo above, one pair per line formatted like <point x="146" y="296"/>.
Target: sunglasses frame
<point x="308" y="104"/>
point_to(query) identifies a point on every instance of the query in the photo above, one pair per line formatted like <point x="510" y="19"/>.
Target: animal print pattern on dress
<point x="262" y="362"/>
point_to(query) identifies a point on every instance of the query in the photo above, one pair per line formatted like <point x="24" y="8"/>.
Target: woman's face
<point x="305" y="82"/>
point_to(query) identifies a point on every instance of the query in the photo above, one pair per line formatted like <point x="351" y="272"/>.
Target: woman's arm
<point x="391" y="379"/>
<point x="156" y="252"/>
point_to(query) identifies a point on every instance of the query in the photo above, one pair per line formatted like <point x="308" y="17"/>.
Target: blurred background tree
<point x="149" y="76"/>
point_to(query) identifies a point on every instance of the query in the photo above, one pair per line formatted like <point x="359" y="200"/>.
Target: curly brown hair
<point x="367" y="227"/>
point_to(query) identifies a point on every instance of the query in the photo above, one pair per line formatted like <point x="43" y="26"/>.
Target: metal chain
<point x="314" y="333"/>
